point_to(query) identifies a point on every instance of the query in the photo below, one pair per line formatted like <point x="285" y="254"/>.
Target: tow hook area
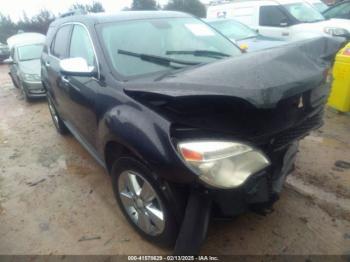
<point x="195" y="224"/>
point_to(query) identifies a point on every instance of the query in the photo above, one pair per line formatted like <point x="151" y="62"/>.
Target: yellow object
<point x="244" y="47"/>
<point x="340" y="93"/>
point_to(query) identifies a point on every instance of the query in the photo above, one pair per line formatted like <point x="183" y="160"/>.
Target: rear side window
<point x="59" y="44"/>
<point x="81" y="45"/>
<point x="271" y="16"/>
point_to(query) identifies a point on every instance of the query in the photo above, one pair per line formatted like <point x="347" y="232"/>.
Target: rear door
<point x="58" y="50"/>
<point x="274" y="22"/>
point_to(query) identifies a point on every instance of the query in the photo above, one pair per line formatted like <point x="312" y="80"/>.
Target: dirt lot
<point x="55" y="199"/>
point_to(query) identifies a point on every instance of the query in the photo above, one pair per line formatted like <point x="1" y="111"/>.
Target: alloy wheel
<point x="141" y="202"/>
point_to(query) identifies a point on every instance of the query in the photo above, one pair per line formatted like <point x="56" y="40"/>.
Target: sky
<point x="15" y="8"/>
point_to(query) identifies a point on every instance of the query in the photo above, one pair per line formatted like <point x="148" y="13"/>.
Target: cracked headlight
<point x="336" y="31"/>
<point x="223" y="164"/>
<point x="31" y="77"/>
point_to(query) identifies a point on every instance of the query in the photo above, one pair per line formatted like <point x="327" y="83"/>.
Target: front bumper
<point x="261" y="190"/>
<point x="34" y="89"/>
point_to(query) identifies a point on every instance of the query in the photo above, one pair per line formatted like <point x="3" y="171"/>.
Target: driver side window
<point x="81" y="45"/>
<point x="272" y="16"/>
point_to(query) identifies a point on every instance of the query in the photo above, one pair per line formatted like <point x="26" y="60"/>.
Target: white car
<point x="287" y="19"/>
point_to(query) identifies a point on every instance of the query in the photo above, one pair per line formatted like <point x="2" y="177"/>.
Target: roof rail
<point x="73" y="12"/>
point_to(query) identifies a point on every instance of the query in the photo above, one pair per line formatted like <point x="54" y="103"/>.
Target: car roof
<point x="100" y="18"/>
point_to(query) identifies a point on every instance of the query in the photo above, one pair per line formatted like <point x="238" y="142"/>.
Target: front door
<point x="274" y="22"/>
<point x="81" y="90"/>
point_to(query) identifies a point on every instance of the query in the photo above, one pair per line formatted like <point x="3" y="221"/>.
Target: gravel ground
<point x="55" y="199"/>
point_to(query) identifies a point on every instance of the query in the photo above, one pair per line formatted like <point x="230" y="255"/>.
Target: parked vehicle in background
<point x="318" y="5"/>
<point x="25" y="69"/>
<point x="25" y="38"/>
<point x="245" y="37"/>
<point x="4" y="52"/>
<point x="340" y="10"/>
<point x="288" y="19"/>
<point x="184" y="123"/>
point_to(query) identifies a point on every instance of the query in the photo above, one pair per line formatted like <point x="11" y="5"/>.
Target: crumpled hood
<point x="261" y="78"/>
<point x="30" y="67"/>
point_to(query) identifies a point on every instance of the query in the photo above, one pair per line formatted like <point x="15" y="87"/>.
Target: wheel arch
<point x="114" y="150"/>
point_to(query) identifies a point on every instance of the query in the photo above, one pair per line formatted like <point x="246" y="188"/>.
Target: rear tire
<point x="57" y="121"/>
<point x="140" y="197"/>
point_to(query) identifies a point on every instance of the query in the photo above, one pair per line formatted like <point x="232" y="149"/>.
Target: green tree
<point x="95" y="7"/>
<point x="194" y="7"/>
<point x="144" y="5"/>
<point x="7" y="28"/>
<point x="38" y="23"/>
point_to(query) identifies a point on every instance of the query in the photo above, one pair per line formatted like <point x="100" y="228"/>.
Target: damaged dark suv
<point x="186" y="124"/>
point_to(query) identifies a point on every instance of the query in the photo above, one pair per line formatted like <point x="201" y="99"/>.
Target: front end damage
<point x="266" y="100"/>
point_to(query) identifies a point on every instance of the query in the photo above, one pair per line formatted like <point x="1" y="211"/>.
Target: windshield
<point x="304" y="13"/>
<point x="321" y="7"/>
<point x="233" y="30"/>
<point x="148" y="46"/>
<point x="30" y="52"/>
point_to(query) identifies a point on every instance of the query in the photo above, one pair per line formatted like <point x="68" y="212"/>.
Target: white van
<point x="287" y="19"/>
<point x="25" y="38"/>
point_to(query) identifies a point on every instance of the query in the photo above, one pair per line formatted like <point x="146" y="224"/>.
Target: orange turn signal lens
<point x="191" y="155"/>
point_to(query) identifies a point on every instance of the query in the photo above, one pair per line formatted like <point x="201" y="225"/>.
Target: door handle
<point x="285" y="33"/>
<point x="47" y="64"/>
<point x="65" y="79"/>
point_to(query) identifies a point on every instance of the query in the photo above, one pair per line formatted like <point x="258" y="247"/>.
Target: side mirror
<point x="76" y="67"/>
<point x="345" y="35"/>
<point x="284" y="23"/>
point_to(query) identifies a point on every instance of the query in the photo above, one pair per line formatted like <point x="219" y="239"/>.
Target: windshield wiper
<point x="206" y="53"/>
<point x="159" y="60"/>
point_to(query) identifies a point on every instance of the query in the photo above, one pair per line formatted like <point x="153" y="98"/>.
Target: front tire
<point x="57" y="121"/>
<point x="142" y="202"/>
<point x="13" y="81"/>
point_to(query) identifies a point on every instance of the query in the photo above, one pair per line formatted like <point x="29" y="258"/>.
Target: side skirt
<point x="85" y="144"/>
